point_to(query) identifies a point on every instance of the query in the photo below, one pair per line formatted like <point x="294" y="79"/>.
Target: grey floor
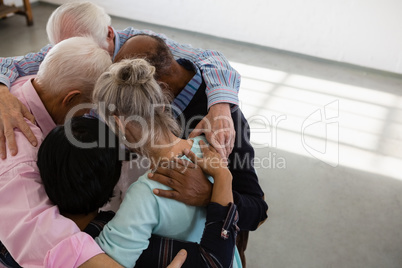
<point x="328" y="145"/>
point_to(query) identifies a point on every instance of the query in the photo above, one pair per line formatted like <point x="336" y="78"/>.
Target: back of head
<point x="74" y="63"/>
<point x="78" y="19"/>
<point x="149" y="47"/>
<point x="80" y="180"/>
<point x="131" y="90"/>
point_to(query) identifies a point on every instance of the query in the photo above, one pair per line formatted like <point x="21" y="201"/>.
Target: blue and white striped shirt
<point x="222" y="81"/>
<point x="183" y="99"/>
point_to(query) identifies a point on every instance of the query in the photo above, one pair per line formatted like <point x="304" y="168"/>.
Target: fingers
<point x="164" y="176"/>
<point x="205" y="147"/>
<point x="181" y="163"/>
<point x="191" y="155"/>
<point x="216" y="144"/>
<point x="27" y="114"/>
<point x="198" y="130"/>
<point x="10" y="139"/>
<point x="3" y="151"/>
<point x="229" y="149"/>
<point x="171" y="194"/>
<point x="26" y="130"/>
<point x="179" y="259"/>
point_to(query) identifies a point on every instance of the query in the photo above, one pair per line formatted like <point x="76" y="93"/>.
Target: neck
<point x="167" y="148"/>
<point x="178" y="78"/>
<point x="51" y="103"/>
<point x="81" y="220"/>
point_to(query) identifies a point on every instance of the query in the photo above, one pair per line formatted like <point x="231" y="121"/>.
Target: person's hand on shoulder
<point x="218" y="128"/>
<point x="215" y="165"/>
<point x="12" y="113"/>
<point x="176" y="174"/>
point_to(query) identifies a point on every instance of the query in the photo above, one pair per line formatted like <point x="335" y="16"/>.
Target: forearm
<point x="221" y="191"/>
<point x="247" y="192"/>
<point x="13" y="67"/>
<point x="3" y="89"/>
<point x="34" y="232"/>
<point x="221" y="79"/>
<point x="213" y="250"/>
<point x="252" y="210"/>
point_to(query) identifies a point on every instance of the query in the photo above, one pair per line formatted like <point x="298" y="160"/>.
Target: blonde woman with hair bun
<point x="132" y="102"/>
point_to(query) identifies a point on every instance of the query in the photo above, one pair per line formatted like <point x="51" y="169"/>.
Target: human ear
<point x="110" y="33"/>
<point x="119" y="124"/>
<point x="71" y="97"/>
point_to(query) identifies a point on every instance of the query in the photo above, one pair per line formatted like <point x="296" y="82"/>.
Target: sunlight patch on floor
<point x="336" y="123"/>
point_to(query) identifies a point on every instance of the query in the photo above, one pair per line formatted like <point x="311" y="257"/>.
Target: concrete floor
<point x="328" y="145"/>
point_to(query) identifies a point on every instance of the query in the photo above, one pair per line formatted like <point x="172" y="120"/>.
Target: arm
<point x="213" y="250"/>
<point x="13" y="67"/>
<point x="127" y="235"/>
<point x="217" y="126"/>
<point x="12" y="112"/>
<point x="223" y="82"/>
<point x="216" y="248"/>
<point x="247" y="193"/>
<point x="222" y="87"/>
<point x="34" y="232"/>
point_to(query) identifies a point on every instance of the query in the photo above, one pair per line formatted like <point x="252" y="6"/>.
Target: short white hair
<point x="75" y="63"/>
<point x="78" y="19"/>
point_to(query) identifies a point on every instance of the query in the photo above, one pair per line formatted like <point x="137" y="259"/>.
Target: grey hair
<point x="78" y="19"/>
<point x="74" y="63"/>
<point x="129" y="90"/>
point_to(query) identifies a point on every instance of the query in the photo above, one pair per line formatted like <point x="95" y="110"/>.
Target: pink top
<point x="31" y="227"/>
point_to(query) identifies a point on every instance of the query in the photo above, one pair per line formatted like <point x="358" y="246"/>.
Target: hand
<point x="211" y="162"/>
<point x="189" y="184"/>
<point x="178" y="261"/>
<point x="218" y="128"/>
<point x="12" y="113"/>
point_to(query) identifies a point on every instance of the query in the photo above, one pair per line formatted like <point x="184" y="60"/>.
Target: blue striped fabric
<point x="222" y="81"/>
<point x="186" y="95"/>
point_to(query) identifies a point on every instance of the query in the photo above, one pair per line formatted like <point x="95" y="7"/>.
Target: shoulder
<point x="129" y="31"/>
<point x="26" y="152"/>
<point x="144" y="185"/>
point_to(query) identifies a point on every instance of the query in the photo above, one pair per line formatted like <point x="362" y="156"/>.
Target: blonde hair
<point x="78" y="19"/>
<point x="128" y="89"/>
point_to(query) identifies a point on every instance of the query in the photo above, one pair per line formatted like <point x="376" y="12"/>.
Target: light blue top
<point x="142" y="213"/>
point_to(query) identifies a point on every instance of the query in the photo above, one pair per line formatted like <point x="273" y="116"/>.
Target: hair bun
<point x="134" y="72"/>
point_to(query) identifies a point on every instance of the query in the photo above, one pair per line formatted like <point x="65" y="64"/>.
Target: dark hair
<point x="158" y="54"/>
<point x="80" y="180"/>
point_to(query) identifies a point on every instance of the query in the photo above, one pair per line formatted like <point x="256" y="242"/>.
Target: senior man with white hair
<point x="86" y="18"/>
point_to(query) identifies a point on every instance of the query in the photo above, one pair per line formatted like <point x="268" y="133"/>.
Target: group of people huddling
<point x="95" y="99"/>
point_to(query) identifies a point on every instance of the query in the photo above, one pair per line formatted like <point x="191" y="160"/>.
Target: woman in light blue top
<point x="130" y="99"/>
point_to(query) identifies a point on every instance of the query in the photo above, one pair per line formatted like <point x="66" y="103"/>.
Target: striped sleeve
<point x="13" y="67"/>
<point x="221" y="79"/>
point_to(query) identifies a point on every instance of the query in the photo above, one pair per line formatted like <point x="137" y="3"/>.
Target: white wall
<point x="361" y="32"/>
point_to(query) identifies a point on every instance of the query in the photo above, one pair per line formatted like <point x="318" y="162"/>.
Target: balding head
<point x="151" y="48"/>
